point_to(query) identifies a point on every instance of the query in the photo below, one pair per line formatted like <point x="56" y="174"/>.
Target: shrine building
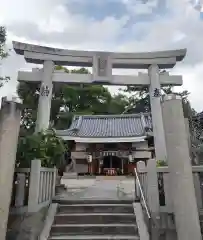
<point x="109" y="144"/>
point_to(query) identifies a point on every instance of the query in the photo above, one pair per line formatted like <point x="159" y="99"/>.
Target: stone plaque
<point x="157" y="92"/>
<point x="44" y="91"/>
<point x="102" y="68"/>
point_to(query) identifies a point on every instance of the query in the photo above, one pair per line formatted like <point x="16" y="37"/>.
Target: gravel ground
<point x="98" y="188"/>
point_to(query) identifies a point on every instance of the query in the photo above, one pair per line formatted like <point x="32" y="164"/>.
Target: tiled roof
<point x="107" y="126"/>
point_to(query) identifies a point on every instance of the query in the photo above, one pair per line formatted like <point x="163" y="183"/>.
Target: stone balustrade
<point x="33" y="188"/>
<point x="165" y="197"/>
<point x="164" y="201"/>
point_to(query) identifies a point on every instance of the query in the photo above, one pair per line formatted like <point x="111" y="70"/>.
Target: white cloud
<point x="28" y="11"/>
<point x="192" y="77"/>
<point x="183" y="30"/>
<point x="140" y="6"/>
<point x="49" y="22"/>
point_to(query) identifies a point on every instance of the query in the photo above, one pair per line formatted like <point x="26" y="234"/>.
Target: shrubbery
<point x="45" y="146"/>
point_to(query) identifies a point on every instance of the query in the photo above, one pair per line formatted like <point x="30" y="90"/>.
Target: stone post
<point x="198" y="190"/>
<point x="151" y="193"/>
<point x="44" y="105"/>
<point x="153" y="196"/>
<point x="54" y="182"/>
<point x="20" y="190"/>
<point x="152" y="188"/>
<point x="140" y="168"/>
<point x="156" y="110"/>
<point x="187" y="128"/>
<point x="9" y="131"/>
<point x="180" y="170"/>
<point x="33" y="198"/>
<point x="74" y="165"/>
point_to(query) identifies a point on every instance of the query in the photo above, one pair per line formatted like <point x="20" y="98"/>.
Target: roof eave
<point x="102" y="140"/>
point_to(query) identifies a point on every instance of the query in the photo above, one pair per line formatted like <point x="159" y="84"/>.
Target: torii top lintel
<point x="38" y="54"/>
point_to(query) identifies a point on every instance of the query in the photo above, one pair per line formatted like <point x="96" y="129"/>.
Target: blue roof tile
<point x="103" y="126"/>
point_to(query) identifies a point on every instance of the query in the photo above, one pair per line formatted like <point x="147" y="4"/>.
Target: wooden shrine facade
<point x="108" y="144"/>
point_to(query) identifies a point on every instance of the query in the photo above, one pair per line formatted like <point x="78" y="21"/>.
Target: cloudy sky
<point x="110" y="25"/>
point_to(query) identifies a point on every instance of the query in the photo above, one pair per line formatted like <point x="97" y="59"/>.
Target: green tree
<point x="118" y="104"/>
<point x="29" y="93"/>
<point x="45" y="146"/>
<point x="3" y="52"/>
<point x="161" y="163"/>
<point x="139" y="101"/>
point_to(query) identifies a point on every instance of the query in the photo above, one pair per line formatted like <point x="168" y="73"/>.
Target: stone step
<point x="92" y="201"/>
<point x="94" y="218"/>
<point x="95" y="237"/>
<point x="109" y="177"/>
<point x="60" y="188"/>
<point x="70" y="175"/>
<point x="96" y="208"/>
<point x="94" y="229"/>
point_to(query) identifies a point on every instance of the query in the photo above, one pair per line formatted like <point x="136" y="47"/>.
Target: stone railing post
<point x="34" y="186"/>
<point x="10" y="116"/>
<point x="187" y="129"/>
<point x="180" y="170"/>
<point x="151" y="192"/>
<point x="20" y="190"/>
<point x="152" y="188"/>
<point x="198" y="190"/>
<point x="140" y="168"/>
<point x="54" y="182"/>
<point x="149" y="185"/>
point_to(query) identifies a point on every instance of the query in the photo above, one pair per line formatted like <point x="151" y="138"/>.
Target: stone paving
<point x="27" y="226"/>
<point x="98" y="188"/>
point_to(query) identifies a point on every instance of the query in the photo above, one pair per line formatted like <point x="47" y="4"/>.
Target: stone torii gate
<point x="102" y="64"/>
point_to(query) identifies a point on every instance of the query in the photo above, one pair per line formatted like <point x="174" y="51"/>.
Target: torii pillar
<point x="156" y="111"/>
<point x="45" y="97"/>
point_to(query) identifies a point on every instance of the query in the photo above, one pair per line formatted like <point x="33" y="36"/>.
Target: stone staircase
<point x="94" y="219"/>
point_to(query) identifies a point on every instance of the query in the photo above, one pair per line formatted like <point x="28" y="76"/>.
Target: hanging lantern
<point x="130" y="158"/>
<point x="89" y="158"/>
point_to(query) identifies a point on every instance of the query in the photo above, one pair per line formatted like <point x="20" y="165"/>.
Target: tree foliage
<point x="139" y="101"/>
<point x="3" y="53"/>
<point x="161" y="163"/>
<point x="45" y="146"/>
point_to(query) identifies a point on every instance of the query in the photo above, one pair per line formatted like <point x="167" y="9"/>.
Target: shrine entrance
<point x="102" y="64"/>
<point x="112" y="165"/>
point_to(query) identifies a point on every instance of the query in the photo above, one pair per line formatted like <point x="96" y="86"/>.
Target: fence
<point x="162" y="186"/>
<point x="33" y="188"/>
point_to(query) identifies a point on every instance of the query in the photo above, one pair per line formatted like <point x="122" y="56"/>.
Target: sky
<point x="109" y="25"/>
